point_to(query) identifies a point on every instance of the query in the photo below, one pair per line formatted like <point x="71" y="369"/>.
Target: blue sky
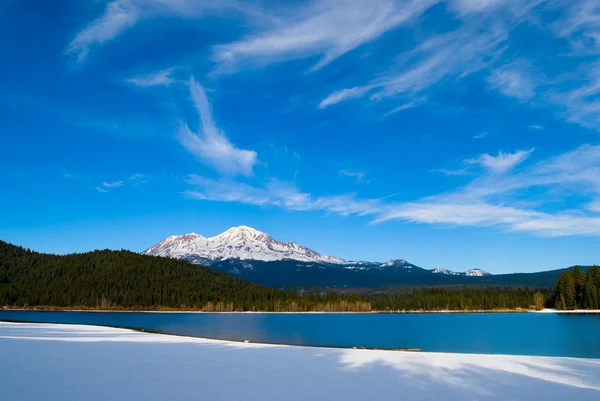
<point x="458" y="134"/>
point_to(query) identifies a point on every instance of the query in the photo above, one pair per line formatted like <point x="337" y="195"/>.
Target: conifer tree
<point x="590" y="295"/>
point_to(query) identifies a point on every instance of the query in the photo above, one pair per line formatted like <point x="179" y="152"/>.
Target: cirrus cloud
<point x="210" y="145"/>
<point x="488" y="200"/>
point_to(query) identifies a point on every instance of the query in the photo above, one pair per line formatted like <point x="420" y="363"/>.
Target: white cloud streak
<point x="121" y="15"/>
<point x="107" y="186"/>
<point x="358" y="176"/>
<point x="501" y="163"/>
<point x="449" y="56"/>
<point x="118" y="16"/>
<point x="489" y="200"/>
<point x="159" y="78"/>
<point x="211" y="145"/>
<point x="278" y="193"/>
<point x="406" y="106"/>
<point x="344" y="94"/>
<point x="513" y="80"/>
<point x="325" y="29"/>
<point x="115" y="184"/>
<point x="581" y="26"/>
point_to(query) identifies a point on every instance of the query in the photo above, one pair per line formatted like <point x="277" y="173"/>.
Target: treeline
<point x="455" y="299"/>
<point x="111" y="280"/>
<point x="577" y="290"/>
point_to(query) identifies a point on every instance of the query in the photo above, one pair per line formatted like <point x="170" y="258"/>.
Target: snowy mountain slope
<point x="397" y="263"/>
<point x="476" y="273"/>
<point x="468" y="273"/>
<point x="444" y="271"/>
<point x="244" y="243"/>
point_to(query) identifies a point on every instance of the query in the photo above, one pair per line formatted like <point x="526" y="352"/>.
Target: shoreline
<point x="569" y="312"/>
<point x="399" y="312"/>
<point x="375" y="312"/>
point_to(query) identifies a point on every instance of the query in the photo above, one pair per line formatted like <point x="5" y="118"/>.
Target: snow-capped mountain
<point x="444" y="271"/>
<point x="476" y="273"/>
<point x="397" y="263"/>
<point x="243" y="243"/>
<point x="256" y="256"/>
<point x="468" y="273"/>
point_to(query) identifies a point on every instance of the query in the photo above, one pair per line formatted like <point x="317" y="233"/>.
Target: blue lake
<point x="487" y="333"/>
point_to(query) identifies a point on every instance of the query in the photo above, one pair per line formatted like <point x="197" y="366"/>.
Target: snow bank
<point x="70" y="362"/>
<point x="577" y="311"/>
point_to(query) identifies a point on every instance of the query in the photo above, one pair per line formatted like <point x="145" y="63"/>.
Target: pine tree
<point x="570" y="292"/>
<point x="590" y="296"/>
<point x="539" y="300"/>
<point x="579" y="280"/>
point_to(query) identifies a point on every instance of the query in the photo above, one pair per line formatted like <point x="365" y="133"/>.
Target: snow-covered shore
<point x="74" y="362"/>
<point x="575" y="311"/>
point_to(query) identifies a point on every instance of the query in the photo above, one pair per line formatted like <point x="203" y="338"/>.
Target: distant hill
<point x="296" y="274"/>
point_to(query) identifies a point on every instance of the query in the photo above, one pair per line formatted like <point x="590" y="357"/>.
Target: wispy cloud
<point x="115" y="184"/>
<point x="448" y="56"/>
<point x="358" y="176"/>
<point x="594" y="206"/>
<point x="502" y="162"/>
<point x="325" y="29"/>
<point x="410" y="105"/>
<point x="481" y="135"/>
<point x="499" y="164"/>
<point x="455" y="172"/>
<point x="121" y="15"/>
<point x="138" y="179"/>
<point x="513" y="80"/>
<point x="344" y="94"/>
<point x="107" y="186"/>
<point x="118" y="16"/>
<point x="488" y="200"/>
<point x="133" y="179"/>
<point x="159" y="78"/>
<point x="280" y="194"/>
<point x="580" y="98"/>
<point x="581" y="26"/>
<point x="210" y="145"/>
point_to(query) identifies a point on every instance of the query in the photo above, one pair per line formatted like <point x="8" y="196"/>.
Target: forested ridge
<point x="123" y="279"/>
<point x="127" y="280"/>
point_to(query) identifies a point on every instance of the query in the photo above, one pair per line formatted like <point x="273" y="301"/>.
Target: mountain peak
<point x="243" y="242"/>
<point x="468" y="273"/>
<point x="396" y="262"/>
<point x="476" y="273"/>
<point x="439" y="270"/>
<point x="243" y="229"/>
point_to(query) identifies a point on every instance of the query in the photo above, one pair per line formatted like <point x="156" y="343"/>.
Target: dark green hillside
<point x="123" y="279"/>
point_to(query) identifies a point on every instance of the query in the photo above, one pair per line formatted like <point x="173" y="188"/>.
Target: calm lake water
<point x="488" y="333"/>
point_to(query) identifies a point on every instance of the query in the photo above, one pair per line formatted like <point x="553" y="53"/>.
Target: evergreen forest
<point x="117" y="280"/>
